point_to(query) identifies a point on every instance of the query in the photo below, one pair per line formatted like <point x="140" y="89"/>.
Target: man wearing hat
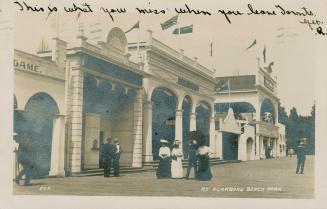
<point x="301" y="155"/>
<point x="192" y="159"/>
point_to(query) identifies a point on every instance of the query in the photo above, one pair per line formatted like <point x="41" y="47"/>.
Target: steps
<point x="213" y="161"/>
<point x="147" y="166"/>
<point x="99" y="171"/>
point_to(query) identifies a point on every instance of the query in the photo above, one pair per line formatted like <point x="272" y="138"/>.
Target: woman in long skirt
<point x="163" y="170"/>
<point x="176" y="163"/>
<point x="204" y="171"/>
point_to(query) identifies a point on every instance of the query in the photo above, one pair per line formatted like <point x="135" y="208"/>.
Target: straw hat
<point x="164" y="141"/>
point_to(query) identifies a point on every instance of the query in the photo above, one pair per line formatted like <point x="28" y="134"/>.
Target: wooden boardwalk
<point x="273" y="178"/>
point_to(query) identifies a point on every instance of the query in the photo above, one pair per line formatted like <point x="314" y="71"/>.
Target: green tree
<point x="292" y="130"/>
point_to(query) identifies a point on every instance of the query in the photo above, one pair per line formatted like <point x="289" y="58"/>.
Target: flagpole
<point x="179" y="34"/>
<point x="229" y="93"/>
<point x="138" y="39"/>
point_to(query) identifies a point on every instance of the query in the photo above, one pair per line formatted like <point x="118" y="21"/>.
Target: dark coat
<point x="24" y="152"/>
<point x="301" y="152"/>
<point x="192" y="154"/>
<point x="108" y="151"/>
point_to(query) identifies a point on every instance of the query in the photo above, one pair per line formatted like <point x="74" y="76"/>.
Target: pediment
<point x="230" y="124"/>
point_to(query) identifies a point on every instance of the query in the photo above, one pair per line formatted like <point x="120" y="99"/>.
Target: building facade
<point x="69" y="100"/>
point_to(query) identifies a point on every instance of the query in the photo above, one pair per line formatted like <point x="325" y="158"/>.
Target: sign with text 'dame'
<point x="27" y="66"/>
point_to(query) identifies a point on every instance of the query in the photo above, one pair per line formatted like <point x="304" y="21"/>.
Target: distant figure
<point x="24" y="157"/>
<point x="176" y="163"/>
<point x="268" y="152"/>
<point x="204" y="171"/>
<point x="290" y="152"/>
<point x="108" y="155"/>
<point x="301" y="155"/>
<point x="192" y="159"/>
<point x="163" y="170"/>
<point x="117" y="151"/>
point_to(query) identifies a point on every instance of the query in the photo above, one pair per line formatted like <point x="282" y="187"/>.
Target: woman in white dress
<point x="176" y="163"/>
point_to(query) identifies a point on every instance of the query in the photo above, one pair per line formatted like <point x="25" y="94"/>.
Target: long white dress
<point x="176" y="164"/>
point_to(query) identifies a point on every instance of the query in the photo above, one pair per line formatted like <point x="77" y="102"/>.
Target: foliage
<point x="297" y="127"/>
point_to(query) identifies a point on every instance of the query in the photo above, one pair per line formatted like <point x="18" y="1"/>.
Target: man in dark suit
<point x="108" y="154"/>
<point x="301" y="155"/>
<point x="192" y="159"/>
<point x="117" y="152"/>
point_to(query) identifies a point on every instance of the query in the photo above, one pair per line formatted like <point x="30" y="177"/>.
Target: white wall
<point x="249" y="132"/>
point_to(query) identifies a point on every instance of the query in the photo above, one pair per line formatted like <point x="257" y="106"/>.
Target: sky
<point x="289" y="44"/>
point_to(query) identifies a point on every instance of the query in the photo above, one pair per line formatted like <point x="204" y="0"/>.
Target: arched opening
<point x="203" y="113"/>
<point x="107" y="112"/>
<point x="249" y="148"/>
<point x="164" y="103"/>
<point x="230" y="146"/>
<point x="187" y="107"/>
<point x="267" y="111"/>
<point x="37" y="123"/>
<point x="242" y="110"/>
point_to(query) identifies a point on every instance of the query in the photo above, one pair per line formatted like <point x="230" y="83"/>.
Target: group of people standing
<point x="110" y="153"/>
<point x="24" y="158"/>
<point x="170" y="164"/>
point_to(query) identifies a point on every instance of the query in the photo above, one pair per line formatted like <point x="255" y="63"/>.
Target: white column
<point x="58" y="147"/>
<point x="137" y="131"/>
<point x="147" y="132"/>
<point x="262" y="150"/>
<point x="257" y="147"/>
<point x="241" y="151"/>
<point x="193" y="121"/>
<point x="179" y="127"/>
<point x="75" y="145"/>
<point x="220" y="144"/>
<point x="212" y="140"/>
<point x="275" y="147"/>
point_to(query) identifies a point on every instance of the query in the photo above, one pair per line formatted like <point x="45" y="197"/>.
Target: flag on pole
<point x="167" y="24"/>
<point x="135" y="26"/>
<point x="183" y="30"/>
<point x="264" y="54"/>
<point x="253" y="43"/>
<point x="222" y="86"/>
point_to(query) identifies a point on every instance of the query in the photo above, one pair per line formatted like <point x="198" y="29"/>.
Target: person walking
<point x="192" y="159"/>
<point x="176" y="163"/>
<point x="24" y="157"/>
<point x="301" y="156"/>
<point x="204" y="171"/>
<point x="164" y="170"/>
<point x="116" y="158"/>
<point x="108" y="155"/>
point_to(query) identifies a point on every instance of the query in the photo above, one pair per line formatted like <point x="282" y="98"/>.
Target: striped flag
<point x="222" y="86"/>
<point x="183" y="30"/>
<point x="167" y="24"/>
